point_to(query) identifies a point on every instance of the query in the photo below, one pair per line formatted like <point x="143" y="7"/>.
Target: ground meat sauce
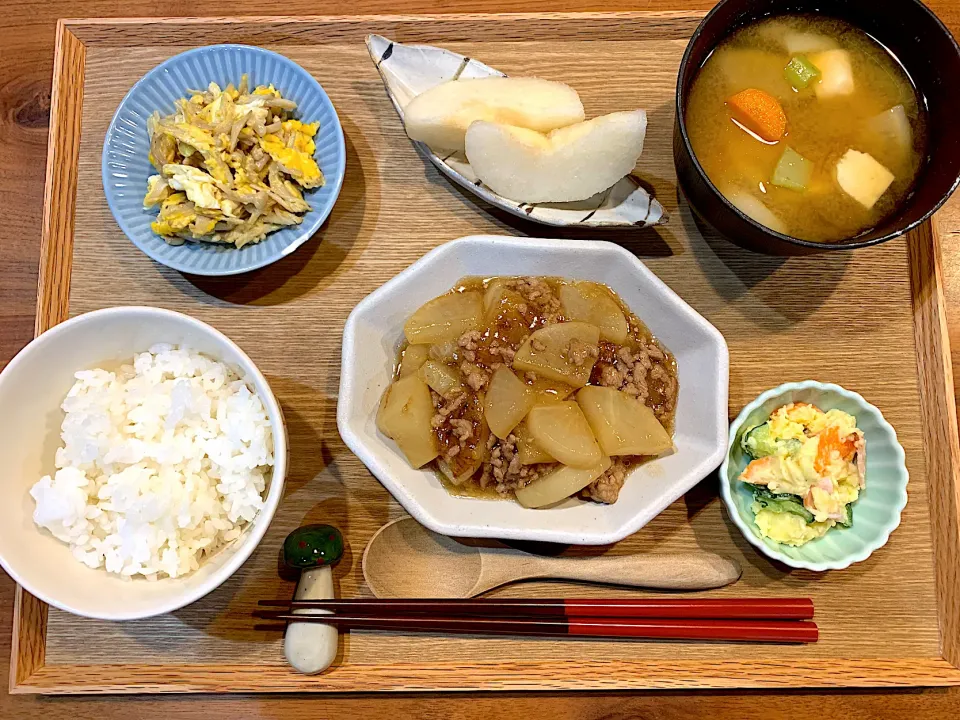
<point x="475" y="462"/>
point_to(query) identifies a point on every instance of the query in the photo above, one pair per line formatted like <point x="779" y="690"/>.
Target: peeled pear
<point x="440" y="116"/>
<point x="571" y="163"/>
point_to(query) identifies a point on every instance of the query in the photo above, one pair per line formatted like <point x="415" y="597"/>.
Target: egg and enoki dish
<point x="233" y="166"/>
<point x="807" y="471"/>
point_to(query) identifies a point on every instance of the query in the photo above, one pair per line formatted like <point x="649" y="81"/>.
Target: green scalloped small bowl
<point x="876" y="513"/>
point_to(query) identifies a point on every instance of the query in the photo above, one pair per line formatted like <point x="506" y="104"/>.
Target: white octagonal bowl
<point x="374" y="332"/>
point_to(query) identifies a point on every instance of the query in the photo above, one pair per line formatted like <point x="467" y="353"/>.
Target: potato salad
<point x="807" y="471"/>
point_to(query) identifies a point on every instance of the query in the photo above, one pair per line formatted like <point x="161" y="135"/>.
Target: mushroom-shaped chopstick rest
<point x="312" y="549"/>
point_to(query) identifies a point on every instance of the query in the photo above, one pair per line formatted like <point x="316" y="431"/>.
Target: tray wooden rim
<point x="29" y="674"/>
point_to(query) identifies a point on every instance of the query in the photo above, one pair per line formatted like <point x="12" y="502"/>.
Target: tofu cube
<point x="836" y="73"/>
<point x="862" y="177"/>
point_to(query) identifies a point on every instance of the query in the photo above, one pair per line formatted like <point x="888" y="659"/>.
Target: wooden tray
<point x="872" y="321"/>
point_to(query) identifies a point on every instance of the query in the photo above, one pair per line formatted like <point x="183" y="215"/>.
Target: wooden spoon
<point x="405" y="560"/>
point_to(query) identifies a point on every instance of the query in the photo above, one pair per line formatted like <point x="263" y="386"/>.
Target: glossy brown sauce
<point x="509" y="328"/>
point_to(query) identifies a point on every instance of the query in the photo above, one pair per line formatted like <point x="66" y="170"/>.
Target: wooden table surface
<point x="26" y="57"/>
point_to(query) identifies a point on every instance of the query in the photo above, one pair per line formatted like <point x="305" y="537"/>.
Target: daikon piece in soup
<point x="808" y="125"/>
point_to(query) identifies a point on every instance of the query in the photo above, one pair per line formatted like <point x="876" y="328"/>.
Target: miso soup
<point x="807" y="125"/>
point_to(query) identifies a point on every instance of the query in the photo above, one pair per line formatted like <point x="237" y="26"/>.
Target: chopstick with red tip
<point x="676" y="608"/>
<point x="775" y="631"/>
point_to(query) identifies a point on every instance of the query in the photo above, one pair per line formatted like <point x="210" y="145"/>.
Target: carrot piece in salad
<point x="832" y="445"/>
<point x="760" y="113"/>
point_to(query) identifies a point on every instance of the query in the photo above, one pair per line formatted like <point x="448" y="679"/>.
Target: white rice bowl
<point x="163" y="462"/>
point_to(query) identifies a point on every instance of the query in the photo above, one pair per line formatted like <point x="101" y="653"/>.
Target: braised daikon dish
<point x="233" y="164"/>
<point x="808" y="126"/>
<point x="533" y="388"/>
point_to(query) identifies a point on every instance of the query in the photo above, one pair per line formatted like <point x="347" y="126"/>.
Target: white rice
<point x="163" y="462"/>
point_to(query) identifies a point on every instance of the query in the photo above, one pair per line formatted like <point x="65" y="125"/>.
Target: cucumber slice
<point x="847" y="516"/>
<point x="758" y="442"/>
<point x="781" y="503"/>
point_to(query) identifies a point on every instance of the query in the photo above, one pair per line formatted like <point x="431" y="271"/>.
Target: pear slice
<point x="571" y="163"/>
<point x="440" y="116"/>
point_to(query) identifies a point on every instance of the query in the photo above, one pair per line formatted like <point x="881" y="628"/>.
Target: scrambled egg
<point x="232" y="166"/>
<point x="200" y="187"/>
<point x="295" y="154"/>
<point x="808" y="469"/>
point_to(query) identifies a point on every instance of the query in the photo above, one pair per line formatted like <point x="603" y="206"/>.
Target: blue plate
<point x="126" y="147"/>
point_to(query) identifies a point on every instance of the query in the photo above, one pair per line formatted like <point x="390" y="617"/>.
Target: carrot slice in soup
<point x="759" y="112"/>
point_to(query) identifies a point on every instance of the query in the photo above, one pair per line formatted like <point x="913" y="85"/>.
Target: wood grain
<point x="334" y="29"/>
<point x="27" y="37"/>
<point x="385" y="219"/>
<point x="29" y="638"/>
<point x="937" y="388"/>
<point x="514" y="674"/>
<point x="28" y="649"/>
<point x="60" y="188"/>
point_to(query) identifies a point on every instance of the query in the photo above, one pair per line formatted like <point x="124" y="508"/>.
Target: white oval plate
<point x="408" y="70"/>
